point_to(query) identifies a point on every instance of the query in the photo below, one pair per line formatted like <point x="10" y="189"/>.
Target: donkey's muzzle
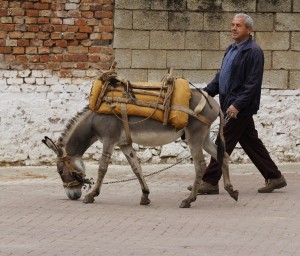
<point x="73" y="193"/>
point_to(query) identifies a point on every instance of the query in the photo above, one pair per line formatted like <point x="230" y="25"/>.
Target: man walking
<point x="238" y="84"/>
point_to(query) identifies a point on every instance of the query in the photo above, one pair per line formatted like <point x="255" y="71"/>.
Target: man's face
<point x="239" y="31"/>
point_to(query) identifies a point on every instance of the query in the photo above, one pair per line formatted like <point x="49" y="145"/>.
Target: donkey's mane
<point x="72" y="124"/>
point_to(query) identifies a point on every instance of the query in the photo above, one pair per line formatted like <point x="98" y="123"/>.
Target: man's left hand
<point x="232" y="112"/>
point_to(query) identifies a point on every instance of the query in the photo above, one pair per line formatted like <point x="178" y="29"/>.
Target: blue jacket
<point x="245" y="81"/>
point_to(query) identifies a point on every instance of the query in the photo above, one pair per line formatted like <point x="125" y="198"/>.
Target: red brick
<point x="94" y="58"/>
<point x="43" y="35"/>
<point x="87" y="15"/>
<point x="56" y="35"/>
<point x="75" y="57"/>
<point x="86" y="29"/>
<point x="9" y="57"/>
<point x="18" y="50"/>
<point x="77" y="50"/>
<point x="3" y="4"/>
<point x="49" y="43"/>
<point x="107" y="22"/>
<point x="3" y="34"/>
<point x="74" y="14"/>
<point x="36" y="42"/>
<point x="43" y="50"/>
<point x="23" y="42"/>
<point x="41" y="6"/>
<point x="14" y="4"/>
<point x="55" y="21"/>
<point x="82" y="65"/>
<point x="30" y="20"/>
<point x="22" y="59"/>
<point x="69" y="36"/>
<point x="43" y="20"/>
<point x="96" y="7"/>
<point x="27" y="5"/>
<point x="73" y="28"/>
<point x="7" y="27"/>
<point x="108" y="8"/>
<point x="3" y="12"/>
<point x="47" y="28"/>
<point x="15" y="34"/>
<point x="35" y="58"/>
<point x="61" y="43"/>
<point x="32" y="13"/>
<point x="107" y="36"/>
<point x="95" y="49"/>
<point x="58" y="50"/>
<point x="80" y="22"/>
<point x="73" y="43"/>
<point x="44" y="58"/>
<point x="65" y="73"/>
<point x="17" y="12"/>
<point x="2" y="42"/>
<point x="81" y="36"/>
<point x="33" y="28"/>
<point x="56" y="7"/>
<point x="103" y="14"/>
<point x="18" y="20"/>
<point x="4" y="49"/>
<point x="31" y="50"/>
<point x="60" y="28"/>
<point x="57" y="58"/>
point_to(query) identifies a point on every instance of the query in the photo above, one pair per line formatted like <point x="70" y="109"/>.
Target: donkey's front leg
<point x="103" y="165"/>
<point x="136" y="168"/>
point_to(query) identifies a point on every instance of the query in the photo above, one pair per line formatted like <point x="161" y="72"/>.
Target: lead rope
<point x="150" y="174"/>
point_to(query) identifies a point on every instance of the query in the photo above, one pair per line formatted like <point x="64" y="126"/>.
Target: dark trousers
<point x="243" y="130"/>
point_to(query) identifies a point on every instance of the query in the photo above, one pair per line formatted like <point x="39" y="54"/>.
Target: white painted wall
<point x="35" y="104"/>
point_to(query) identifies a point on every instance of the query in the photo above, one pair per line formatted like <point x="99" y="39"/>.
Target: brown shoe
<point x="272" y="184"/>
<point x="206" y="189"/>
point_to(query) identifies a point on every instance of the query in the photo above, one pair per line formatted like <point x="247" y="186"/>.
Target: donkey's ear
<point x="50" y="144"/>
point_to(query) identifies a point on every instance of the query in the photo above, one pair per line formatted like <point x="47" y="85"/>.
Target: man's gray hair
<point x="248" y="19"/>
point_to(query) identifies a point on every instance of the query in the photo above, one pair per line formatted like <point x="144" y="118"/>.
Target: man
<point x="238" y="84"/>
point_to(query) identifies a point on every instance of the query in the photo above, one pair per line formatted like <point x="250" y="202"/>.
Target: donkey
<point x="87" y="127"/>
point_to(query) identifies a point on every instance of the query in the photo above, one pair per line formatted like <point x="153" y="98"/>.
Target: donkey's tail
<point x="220" y="142"/>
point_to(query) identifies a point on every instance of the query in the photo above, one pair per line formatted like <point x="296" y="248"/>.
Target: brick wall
<point x="191" y="37"/>
<point x="72" y="38"/>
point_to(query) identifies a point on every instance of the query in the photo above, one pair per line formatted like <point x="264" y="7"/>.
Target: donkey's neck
<point x="78" y="135"/>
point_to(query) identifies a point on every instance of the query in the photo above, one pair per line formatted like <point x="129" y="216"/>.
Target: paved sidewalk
<point x="36" y="218"/>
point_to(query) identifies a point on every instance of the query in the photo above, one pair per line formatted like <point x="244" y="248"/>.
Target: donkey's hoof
<point x="88" y="200"/>
<point x="235" y="195"/>
<point x="185" y="204"/>
<point x="145" y="201"/>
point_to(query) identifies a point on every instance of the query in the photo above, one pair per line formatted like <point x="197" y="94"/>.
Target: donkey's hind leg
<point x="136" y="168"/>
<point x="102" y="169"/>
<point x="212" y="149"/>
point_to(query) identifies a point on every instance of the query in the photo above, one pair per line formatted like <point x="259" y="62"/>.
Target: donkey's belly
<point x="154" y="138"/>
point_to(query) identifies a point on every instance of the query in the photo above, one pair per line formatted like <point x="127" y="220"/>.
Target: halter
<point x="79" y="176"/>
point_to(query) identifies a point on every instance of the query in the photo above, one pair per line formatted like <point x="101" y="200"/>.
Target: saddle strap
<point x="198" y="116"/>
<point x="125" y="124"/>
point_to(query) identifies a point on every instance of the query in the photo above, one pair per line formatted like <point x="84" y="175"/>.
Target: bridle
<point x="79" y="176"/>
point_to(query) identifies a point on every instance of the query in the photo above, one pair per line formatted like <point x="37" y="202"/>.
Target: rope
<point x="150" y="174"/>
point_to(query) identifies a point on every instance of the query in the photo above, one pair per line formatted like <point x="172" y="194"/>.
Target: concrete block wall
<point x="191" y="37"/>
<point x="46" y="69"/>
